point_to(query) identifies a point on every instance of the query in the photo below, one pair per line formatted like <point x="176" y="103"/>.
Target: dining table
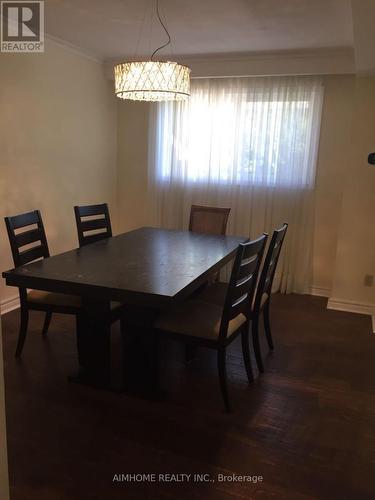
<point x="147" y="270"/>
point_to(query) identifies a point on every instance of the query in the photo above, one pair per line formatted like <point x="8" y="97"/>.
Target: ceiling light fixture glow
<point x="153" y="80"/>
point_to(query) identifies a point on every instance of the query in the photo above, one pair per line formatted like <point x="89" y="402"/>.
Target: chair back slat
<point x="270" y="264"/>
<point x="209" y="220"/>
<point x="93" y="238"/>
<point x="239" y="305"/>
<point x="28" y="237"/>
<point x="24" y="220"/>
<point x="242" y="282"/>
<point x="247" y="267"/>
<point x="20" y="239"/>
<point x="38" y="252"/>
<point x="89" y="210"/>
<point x="90" y="225"/>
<point x="99" y="222"/>
<point x="241" y="287"/>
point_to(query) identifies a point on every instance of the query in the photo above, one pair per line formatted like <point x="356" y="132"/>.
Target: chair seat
<point x="196" y="318"/>
<point x="60" y="300"/>
<point x="216" y="293"/>
<point x="53" y="299"/>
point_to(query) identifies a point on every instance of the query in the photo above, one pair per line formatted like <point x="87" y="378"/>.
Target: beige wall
<point x="133" y="119"/>
<point x="356" y="240"/>
<point x="57" y="142"/>
<point x="332" y="162"/>
<point x="333" y="158"/>
<point x="4" y="486"/>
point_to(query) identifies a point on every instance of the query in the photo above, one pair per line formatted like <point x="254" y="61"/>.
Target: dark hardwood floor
<point x="307" y="425"/>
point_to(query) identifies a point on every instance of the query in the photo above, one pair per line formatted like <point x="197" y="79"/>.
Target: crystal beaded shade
<point x="152" y="81"/>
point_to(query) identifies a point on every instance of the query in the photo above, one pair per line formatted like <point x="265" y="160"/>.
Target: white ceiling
<point x="109" y="29"/>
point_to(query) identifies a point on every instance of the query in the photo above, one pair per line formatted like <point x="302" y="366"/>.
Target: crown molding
<point x="274" y="63"/>
<point x="328" y="52"/>
<point x="74" y="49"/>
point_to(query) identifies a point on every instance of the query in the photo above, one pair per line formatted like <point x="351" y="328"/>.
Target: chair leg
<point x="221" y="361"/>
<point x="246" y="352"/>
<point x="47" y="321"/>
<point x="23" y="331"/>
<point x="255" y="332"/>
<point x="267" y="326"/>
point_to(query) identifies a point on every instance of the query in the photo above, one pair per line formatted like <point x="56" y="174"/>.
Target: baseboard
<point x="320" y="291"/>
<point x="8" y="305"/>
<point x="353" y="307"/>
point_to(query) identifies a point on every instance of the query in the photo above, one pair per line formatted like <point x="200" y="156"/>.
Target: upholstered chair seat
<point x="198" y="318"/>
<point x="59" y="299"/>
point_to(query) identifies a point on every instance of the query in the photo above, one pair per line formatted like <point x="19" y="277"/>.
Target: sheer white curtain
<point x="246" y="143"/>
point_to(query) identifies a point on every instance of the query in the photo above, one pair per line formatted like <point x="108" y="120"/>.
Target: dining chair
<point x="209" y="220"/>
<point x="93" y="223"/>
<point x="216" y="293"/>
<point x="216" y="326"/>
<point x="264" y="292"/>
<point x="28" y="243"/>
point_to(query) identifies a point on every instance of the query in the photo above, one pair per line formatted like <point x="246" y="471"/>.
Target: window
<point x="241" y="131"/>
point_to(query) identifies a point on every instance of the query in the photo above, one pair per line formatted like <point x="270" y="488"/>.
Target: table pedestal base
<point x="140" y="343"/>
<point x="141" y="354"/>
<point x="93" y="344"/>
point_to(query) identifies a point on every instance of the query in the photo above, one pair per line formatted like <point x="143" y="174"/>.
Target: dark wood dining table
<point x="148" y="270"/>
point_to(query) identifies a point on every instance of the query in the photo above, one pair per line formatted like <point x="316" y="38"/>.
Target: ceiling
<point x="111" y="29"/>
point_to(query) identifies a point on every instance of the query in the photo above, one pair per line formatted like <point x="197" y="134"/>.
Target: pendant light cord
<point x="165" y="29"/>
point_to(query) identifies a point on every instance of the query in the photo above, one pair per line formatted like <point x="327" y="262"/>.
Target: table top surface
<point x="136" y="266"/>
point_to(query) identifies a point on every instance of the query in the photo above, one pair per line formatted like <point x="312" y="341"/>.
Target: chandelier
<point x="153" y="80"/>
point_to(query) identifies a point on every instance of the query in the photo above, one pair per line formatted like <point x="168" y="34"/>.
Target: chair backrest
<point x="93" y="223"/>
<point x="27" y="237"/>
<point x="270" y="263"/>
<point x="210" y="220"/>
<point x="242" y="281"/>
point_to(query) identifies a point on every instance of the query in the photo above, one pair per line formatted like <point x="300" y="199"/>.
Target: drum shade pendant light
<point x="153" y="80"/>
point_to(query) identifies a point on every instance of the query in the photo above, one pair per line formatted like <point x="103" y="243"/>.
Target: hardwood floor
<point x="307" y="425"/>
